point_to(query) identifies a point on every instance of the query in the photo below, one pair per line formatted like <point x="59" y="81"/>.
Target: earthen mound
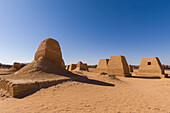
<point x="48" y="59"/>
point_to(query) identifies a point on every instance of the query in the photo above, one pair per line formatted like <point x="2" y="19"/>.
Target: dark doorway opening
<point x="149" y="63"/>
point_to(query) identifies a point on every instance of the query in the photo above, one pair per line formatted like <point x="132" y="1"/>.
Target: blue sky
<point x="87" y="30"/>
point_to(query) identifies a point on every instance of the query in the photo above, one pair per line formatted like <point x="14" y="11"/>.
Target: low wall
<point x="21" y="89"/>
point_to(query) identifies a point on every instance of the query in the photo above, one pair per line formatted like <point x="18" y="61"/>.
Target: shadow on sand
<point x="84" y="79"/>
<point x="168" y="76"/>
<point x="73" y="77"/>
<point x="165" y="76"/>
<point x="95" y="82"/>
<point x="144" y="77"/>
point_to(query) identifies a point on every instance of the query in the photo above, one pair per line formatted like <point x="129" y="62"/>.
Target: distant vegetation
<point x="166" y="66"/>
<point x="92" y="66"/>
<point x="9" y="66"/>
<point x="89" y="66"/>
<point x="135" y="66"/>
<point x="5" y="66"/>
<point x="24" y="64"/>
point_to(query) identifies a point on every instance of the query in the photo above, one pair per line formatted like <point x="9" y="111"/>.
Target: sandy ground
<point x="125" y="95"/>
<point x="6" y="71"/>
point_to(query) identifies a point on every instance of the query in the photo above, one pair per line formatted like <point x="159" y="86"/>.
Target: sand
<point x="5" y="71"/>
<point x="123" y="95"/>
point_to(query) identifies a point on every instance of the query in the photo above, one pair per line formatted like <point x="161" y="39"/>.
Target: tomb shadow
<point x="73" y="77"/>
<point x="144" y="77"/>
<point x="95" y="82"/>
<point x="167" y="76"/>
<point x="84" y="79"/>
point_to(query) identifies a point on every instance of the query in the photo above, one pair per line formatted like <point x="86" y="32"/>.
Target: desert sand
<point x="5" y="71"/>
<point x="105" y="95"/>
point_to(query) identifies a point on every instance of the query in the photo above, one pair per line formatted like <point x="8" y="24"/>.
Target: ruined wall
<point x="20" y="90"/>
<point x="6" y="85"/>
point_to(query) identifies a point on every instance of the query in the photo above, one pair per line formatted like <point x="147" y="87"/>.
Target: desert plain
<point x="103" y="95"/>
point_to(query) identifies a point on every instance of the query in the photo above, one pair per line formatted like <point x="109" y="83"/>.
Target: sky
<point x="87" y="30"/>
